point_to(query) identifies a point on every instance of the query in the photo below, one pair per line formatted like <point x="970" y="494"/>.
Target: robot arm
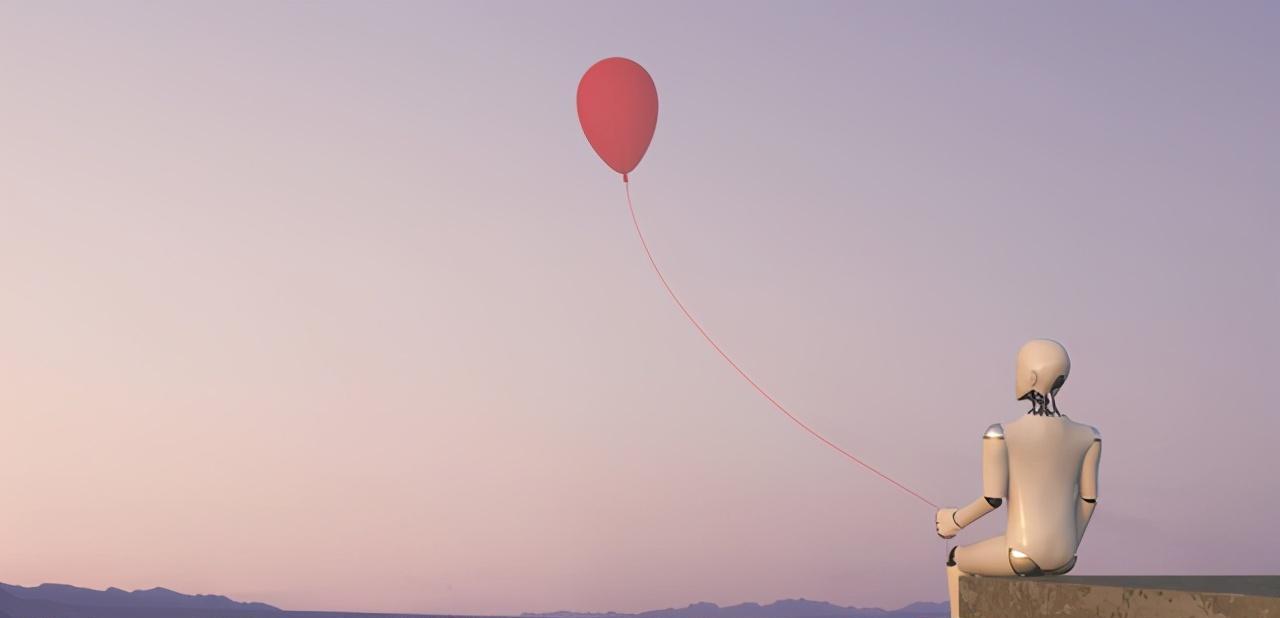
<point x="995" y="477"/>
<point x="1088" y="485"/>
<point x="995" y="485"/>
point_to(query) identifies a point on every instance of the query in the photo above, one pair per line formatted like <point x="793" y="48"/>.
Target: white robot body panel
<point x="995" y="463"/>
<point x="1046" y="463"/>
<point x="1088" y="486"/>
<point x="1089" y="473"/>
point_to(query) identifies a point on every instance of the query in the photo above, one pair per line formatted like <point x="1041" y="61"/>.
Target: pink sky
<point x="332" y="306"/>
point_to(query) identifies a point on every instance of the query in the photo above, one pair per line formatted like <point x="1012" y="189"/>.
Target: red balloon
<point x="618" y="109"/>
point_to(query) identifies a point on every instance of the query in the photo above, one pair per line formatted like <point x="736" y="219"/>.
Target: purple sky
<point x="332" y="306"/>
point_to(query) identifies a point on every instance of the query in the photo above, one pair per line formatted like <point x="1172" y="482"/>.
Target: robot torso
<point x="1046" y="455"/>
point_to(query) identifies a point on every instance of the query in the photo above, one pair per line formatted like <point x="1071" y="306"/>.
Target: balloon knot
<point x="625" y="179"/>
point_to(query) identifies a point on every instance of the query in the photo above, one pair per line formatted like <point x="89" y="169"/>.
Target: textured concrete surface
<point x="1121" y="596"/>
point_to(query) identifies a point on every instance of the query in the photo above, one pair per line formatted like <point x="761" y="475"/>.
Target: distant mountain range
<point x="115" y="597"/>
<point x="63" y="601"/>
<point x="786" y="608"/>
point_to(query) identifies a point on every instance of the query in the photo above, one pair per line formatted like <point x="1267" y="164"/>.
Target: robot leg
<point x="989" y="557"/>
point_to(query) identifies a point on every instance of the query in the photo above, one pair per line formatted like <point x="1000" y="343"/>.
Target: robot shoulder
<point x="1097" y="435"/>
<point x="994" y="432"/>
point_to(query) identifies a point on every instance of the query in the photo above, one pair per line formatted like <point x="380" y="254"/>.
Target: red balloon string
<point x="702" y="331"/>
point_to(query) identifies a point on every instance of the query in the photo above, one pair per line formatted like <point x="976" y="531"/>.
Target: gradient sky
<point x="332" y="306"/>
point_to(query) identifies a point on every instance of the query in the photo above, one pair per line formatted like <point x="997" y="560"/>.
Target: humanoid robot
<point x="1046" y="466"/>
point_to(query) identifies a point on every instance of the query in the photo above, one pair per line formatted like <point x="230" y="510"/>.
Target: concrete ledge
<point x="1121" y="596"/>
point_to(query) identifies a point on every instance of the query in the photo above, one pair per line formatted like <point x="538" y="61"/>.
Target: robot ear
<point x="1035" y="377"/>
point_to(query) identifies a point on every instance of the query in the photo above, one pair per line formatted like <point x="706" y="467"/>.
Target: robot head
<point x="1042" y="369"/>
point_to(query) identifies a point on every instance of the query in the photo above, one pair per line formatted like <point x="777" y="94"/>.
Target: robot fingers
<point x="945" y="523"/>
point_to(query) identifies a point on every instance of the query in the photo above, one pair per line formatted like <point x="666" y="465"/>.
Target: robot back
<point x="1046" y="455"/>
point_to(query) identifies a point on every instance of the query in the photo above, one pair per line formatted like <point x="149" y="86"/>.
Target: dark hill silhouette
<point x="115" y="597"/>
<point x="63" y="601"/>
<point x="786" y="608"/>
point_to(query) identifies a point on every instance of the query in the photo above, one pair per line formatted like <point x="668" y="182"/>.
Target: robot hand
<point x="946" y="523"/>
